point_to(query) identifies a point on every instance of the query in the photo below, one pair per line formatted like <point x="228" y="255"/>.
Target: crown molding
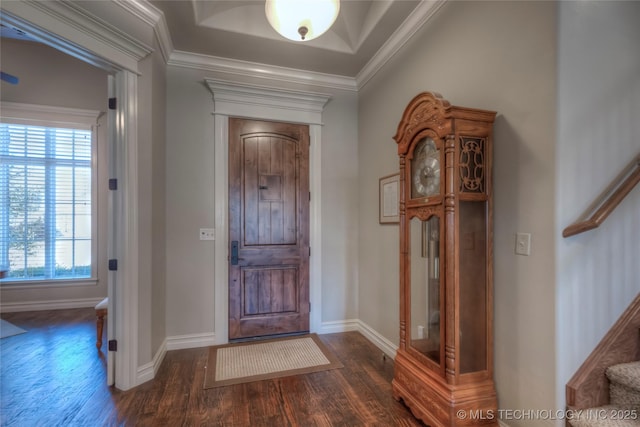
<point x="154" y="17"/>
<point x="71" y="29"/>
<point x="423" y="12"/>
<point x="260" y="71"/>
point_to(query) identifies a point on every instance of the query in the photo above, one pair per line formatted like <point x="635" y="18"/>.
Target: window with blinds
<point x="46" y="182"/>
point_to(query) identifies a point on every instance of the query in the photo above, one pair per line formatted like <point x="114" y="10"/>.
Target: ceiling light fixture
<point x="301" y="20"/>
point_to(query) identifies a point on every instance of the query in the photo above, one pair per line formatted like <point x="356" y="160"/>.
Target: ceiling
<point x="365" y="34"/>
<point x="239" y="29"/>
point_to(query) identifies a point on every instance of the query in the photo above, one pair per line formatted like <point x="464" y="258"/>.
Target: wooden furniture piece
<point x="444" y="366"/>
<point x="101" y="312"/>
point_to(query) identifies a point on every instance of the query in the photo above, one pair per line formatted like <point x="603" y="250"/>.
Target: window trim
<point x="61" y="117"/>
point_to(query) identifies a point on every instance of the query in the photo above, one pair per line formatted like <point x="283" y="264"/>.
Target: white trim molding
<point x="153" y="17"/>
<point x="246" y="100"/>
<point x="339" y="326"/>
<point x="221" y="209"/>
<point x="269" y="73"/>
<point x="380" y="341"/>
<point x="149" y="370"/>
<point x="48" y="115"/>
<point x="19" y="285"/>
<point x="123" y="297"/>
<point x="180" y="342"/>
<point x="10" y="307"/>
<point x="70" y="29"/>
<point x="264" y="103"/>
<point x="422" y="13"/>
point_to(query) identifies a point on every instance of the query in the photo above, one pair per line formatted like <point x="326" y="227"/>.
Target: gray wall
<point x="498" y="56"/>
<point x="49" y="77"/>
<point x="152" y="164"/>
<point x="190" y="202"/>
<point x="598" y="272"/>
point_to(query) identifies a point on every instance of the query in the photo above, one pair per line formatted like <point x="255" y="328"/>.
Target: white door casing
<point x="264" y="103"/>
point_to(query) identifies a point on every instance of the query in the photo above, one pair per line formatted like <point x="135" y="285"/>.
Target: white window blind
<point x="46" y="226"/>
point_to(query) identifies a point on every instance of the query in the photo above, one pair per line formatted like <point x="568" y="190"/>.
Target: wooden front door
<point x="268" y="228"/>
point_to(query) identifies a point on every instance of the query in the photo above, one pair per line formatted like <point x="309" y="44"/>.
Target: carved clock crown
<point x="427" y="107"/>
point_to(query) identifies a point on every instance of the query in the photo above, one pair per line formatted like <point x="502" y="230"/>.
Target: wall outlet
<point x="420" y="332"/>
<point x="523" y="244"/>
<point x="207" y="234"/>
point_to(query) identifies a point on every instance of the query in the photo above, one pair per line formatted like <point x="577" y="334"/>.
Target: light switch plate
<point x="207" y="234"/>
<point x="523" y="244"/>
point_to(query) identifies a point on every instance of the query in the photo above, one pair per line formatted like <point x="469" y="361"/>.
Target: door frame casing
<point x="275" y="104"/>
<point x="81" y="37"/>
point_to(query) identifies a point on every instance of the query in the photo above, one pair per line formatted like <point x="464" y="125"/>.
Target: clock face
<point x="426" y="169"/>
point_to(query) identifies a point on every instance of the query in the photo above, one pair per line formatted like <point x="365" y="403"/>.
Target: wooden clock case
<point x="444" y="364"/>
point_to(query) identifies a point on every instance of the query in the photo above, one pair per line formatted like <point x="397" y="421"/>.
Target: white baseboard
<point x="381" y="342"/>
<point x="180" y="342"/>
<point x="149" y="370"/>
<point x="10" y="307"/>
<point x="337" y="326"/>
<point x="372" y="335"/>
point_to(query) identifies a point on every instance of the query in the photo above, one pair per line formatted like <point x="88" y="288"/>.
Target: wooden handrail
<point x="607" y="202"/>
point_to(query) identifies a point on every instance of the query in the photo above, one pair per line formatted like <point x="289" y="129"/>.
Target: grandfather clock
<point x="444" y="366"/>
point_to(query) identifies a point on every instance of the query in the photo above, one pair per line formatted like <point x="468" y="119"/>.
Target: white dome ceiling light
<point x="302" y="20"/>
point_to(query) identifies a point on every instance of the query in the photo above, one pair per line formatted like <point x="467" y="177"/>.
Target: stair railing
<point x="589" y="386"/>
<point x="607" y="201"/>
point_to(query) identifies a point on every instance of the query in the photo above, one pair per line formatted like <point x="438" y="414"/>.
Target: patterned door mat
<point x="255" y="361"/>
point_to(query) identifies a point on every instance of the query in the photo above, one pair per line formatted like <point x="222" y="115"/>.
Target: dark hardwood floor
<point x="53" y="375"/>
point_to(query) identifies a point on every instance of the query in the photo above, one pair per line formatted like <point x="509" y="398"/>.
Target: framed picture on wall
<point x="389" y="210"/>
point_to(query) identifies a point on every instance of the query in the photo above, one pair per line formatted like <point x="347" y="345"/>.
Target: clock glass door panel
<point x="473" y="290"/>
<point x="425" y="287"/>
<point x="425" y="167"/>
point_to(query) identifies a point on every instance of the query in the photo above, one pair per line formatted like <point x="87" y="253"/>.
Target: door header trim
<point x="262" y="102"/>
